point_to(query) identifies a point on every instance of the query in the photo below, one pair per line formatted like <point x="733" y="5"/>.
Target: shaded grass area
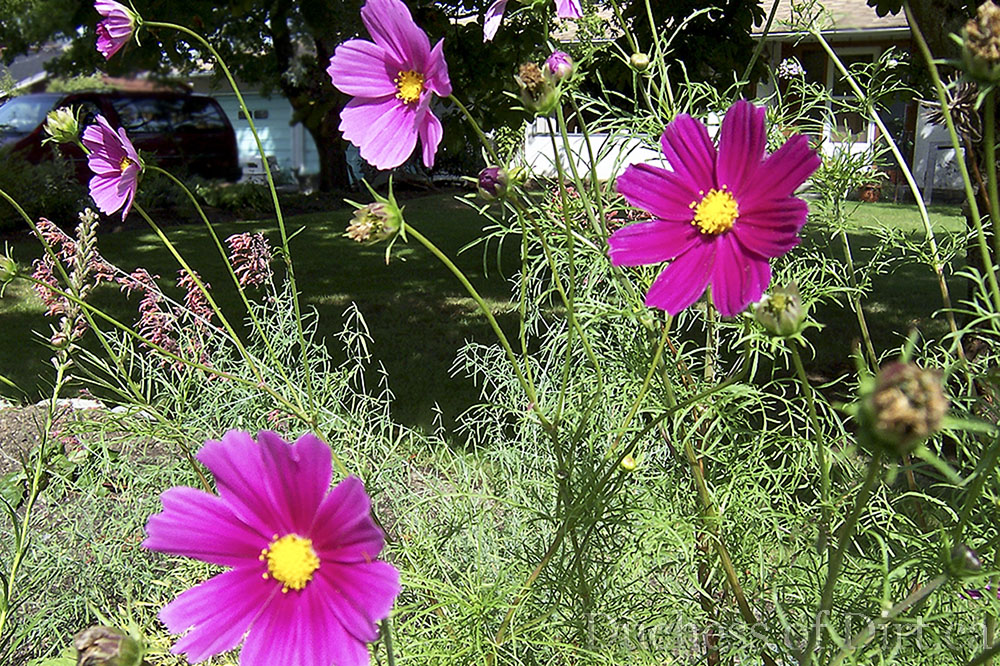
<point x="904" y="294"/>
<point x="419" y="315"/>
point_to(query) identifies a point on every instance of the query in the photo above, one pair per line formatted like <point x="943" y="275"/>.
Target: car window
<point x="24" y="114"/>
<point x="151" y="114"/>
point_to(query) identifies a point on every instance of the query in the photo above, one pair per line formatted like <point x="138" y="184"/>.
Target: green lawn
<point x="417" y="312"/>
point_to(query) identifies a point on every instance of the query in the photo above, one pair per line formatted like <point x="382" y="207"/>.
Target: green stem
<point x="306" y="367"/>
<point x="901" y="162"/>
<point x="247" y="357"/>
<point x="837" y="558"/>
<point x="821" y="459"/>
<point x="990" y="146"/>
<point x="276" y="363"/>
<point x="914" y="598"/>
<point x="981" y="474"/>
<point x="761" y="40"/>
<point x="856" y="301"/>
<point x="478" y="130"/>
<point x="485" y="309"/>
<point x="956" y="143"/>
<point x="390" y="655"/>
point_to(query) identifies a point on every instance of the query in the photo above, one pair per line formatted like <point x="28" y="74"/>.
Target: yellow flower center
<point x="716" y="212"/>
<point x="409" y="85"/>
<point x="125" y="163"/>
<point x="291" y="561"/>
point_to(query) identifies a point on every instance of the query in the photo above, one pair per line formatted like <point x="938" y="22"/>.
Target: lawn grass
<point x="419" y="315"/>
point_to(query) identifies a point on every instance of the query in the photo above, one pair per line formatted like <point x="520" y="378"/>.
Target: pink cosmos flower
<point x="391" y="80"/>
<point x="304" y="585"/>
<point x="494" y="15"/>
<point x="116" y="166"/>
<point x="719" y="216"/>
<point x="115" y="29"/>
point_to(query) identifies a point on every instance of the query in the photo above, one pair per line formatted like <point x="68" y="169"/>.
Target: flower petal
<point x="298" y="476"/>
<point x="493" y="19"/>
<point x="651" y="242"/>
<point x="359" y="68"/>
<point x="218" y="612"/>
<point x="196" y="524"/>
<point x="359" y="595"/>
<point x="343" y="530"/>
<point x="104" y="192"/>
<point x="684" y="280"/>
<point x="742" y="142"/>
<point x="569" y="9"/>
<point x="663" y="193"/>
<point x="772" y="228"/>
<point x="430" y="131"/>
<point x="299" y="628"/>
<point x="783" y="171"/>
<point x="384" y="129"/>
<point x="738" y="278"/>
<point x="240" y="474"/>
<point x="391" y="26"/>
<point x="689" y="150"/>
<point x="436" y="73"/>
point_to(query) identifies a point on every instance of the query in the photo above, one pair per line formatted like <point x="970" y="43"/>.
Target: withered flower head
<point x="906" y="406"/>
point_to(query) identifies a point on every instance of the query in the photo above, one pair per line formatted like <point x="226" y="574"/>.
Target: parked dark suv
<point x="178" y="132"/>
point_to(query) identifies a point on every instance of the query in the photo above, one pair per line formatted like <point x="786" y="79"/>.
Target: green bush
<point x="49" y="189"/>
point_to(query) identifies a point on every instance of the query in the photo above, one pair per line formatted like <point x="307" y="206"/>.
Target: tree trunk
<point x="333" y="173"/>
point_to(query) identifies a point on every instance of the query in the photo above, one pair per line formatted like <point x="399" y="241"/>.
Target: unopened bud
<point x="639" y="62"/>
<point x="537" y="91"/>
<point x="981" y="44"/>
<point x="375" y="222"/>
<point x="906" y="406"/>
<point x="493" y="183"/>
<point x="559" y="66"/>
<point x="105" y="646"/>
<point x="628" y="464"/>
<point x="8" y="269"/>
<point x="964" y="561"/>
<point x="62" y="126"/>
<point x="781" y="312"/>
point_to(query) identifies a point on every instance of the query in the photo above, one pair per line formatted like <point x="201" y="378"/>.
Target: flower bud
<point x="537" y="92"/>
<point x="493" y="183"/>
<point x="105" y="646"/>
<point x="639" y="62"/>
<point x="906" y="406"/>
<point x="375" y="222"/>
<point x="62" y="126"/>
<point x="8" y="269"/>
<point x="559" y="66"/>
<point x="781" y="312"/>
<point x="964" y="561"/>
<point x="981" y="44"/>
<point x="628" y="464"/>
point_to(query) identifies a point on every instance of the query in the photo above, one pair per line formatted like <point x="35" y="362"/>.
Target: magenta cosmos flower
<point x="116" y="166"/>
<point x="391" y="80"/>
<point x="494" y="15"/>
<point x="115" y="29"/>
<point x="304" y="587"/>
<point x="719" y="216"/>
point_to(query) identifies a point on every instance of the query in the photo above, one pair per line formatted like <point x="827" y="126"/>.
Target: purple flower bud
<point x="559" y="66"/>
<point x="492" y="182"/>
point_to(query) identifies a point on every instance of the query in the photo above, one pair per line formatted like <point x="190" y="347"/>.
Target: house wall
<point x="290" y="145"/>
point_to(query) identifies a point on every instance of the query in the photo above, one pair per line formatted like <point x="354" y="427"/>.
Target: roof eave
<point x="845" y="34"/>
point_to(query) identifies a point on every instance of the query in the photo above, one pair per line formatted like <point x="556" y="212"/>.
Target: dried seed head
<point x="906" y="406"/>
<point x="981" y="44"/>
<point x="537" y="91"/>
